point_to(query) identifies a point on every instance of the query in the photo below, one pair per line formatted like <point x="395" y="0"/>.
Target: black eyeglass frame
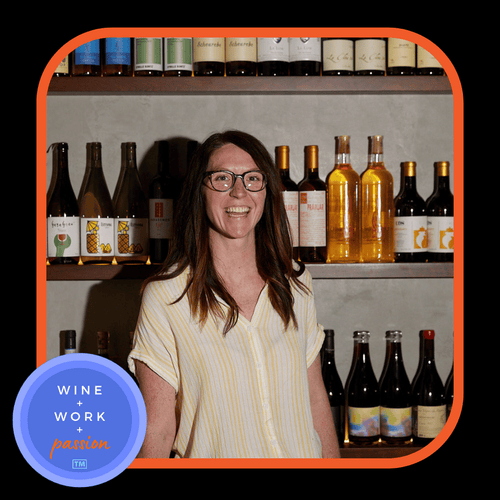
<point x="234" y="177"/>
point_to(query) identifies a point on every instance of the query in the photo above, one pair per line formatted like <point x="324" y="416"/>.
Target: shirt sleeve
<point x="154" y="342"/>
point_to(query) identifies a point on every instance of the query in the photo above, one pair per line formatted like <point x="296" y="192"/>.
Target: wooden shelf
<point x="285" y="85"/>
<point x="377" y="451"/>
<point x="318" y="271"/>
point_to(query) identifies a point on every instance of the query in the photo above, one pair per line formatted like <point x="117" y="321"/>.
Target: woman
<point x="226" y="345"/>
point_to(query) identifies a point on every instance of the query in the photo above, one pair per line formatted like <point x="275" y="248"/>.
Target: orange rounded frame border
<point x="458" y="189"/>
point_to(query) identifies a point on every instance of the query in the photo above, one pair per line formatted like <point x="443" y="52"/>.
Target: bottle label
<point x="161" y="215"/>
<point x="291" y="201"/>
<point x="364" y="422"/>
<point x="400" y="53"/>
<point x="370" y="55"/>
<point x="178" y="54"/>
<point x="88" y="53"/>
<point x="440" y="234"/>
<point x="426" y="60"/>
<point x="273" y="49"/>
<point x="208" y="49"/>
<point x="63" y="66"/>
<point x="241" y="49"/>
<point x="305" y="49"/>
<point x="63" y="236"/>
<point x="118" y="51"/>
<point x="131" y="237"/>
<point x="148" y="54"/>
<point x="312" y="219"/>
<point x="97" y="237"/>
<point x="410" y="234"/>
<point x="428" y="421"/>
<point x="338" y="55"/>
<point x="395" y="422"/>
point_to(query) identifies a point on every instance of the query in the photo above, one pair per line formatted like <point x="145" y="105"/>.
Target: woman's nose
<point x="238" y="190"/>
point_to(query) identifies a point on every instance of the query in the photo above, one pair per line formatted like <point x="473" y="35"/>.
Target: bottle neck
<point x="128" y="155"/>
<point x="311" y="161"/>
<point x="342" y="159"/>
<point x="376" y="158"/>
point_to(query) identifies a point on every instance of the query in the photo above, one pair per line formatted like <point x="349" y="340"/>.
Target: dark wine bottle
<point x="400" y="57"/>
<point x="241" y="56"/>
<point x="362" y="395"/>
<point x="428" y="401"/>
<point x="103" y="344"/>
<point x="148" y="60"/>
<point x="69" y="341"/>
<point x="273" y="56"/>
<point x="305" y="56"/>
<point x="208" y="56"/>
<point x="338" y="56"/>
<point x="427" y="64"/>
<point x="369" y="57"/>
<point x="86" y="59"/>
<point x="178" y="56"/>
<point x="410" y="218"/>
<point x="117" y="57"/>
<point x="395" y="394"/>
<point x="448" y="393"/>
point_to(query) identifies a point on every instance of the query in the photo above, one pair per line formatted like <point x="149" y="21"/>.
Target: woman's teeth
<point x="237" y="210"/>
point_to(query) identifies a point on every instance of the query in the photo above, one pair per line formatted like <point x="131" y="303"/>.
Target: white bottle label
<point x="305" y="49"/>
<point x="312" y="222"/>
<point x="161" y="215"/>
<point x="63" y="236"/>
<point x="241" y="49"/>
<point x="410" y="234"/>
<point x="291" y="200"/>
<point x="273" y="49"/>
<point x="440" y="234"/>
<point x="208" y="49"/>
<point x="131" y="237"/>
<point x="97" y="237"/>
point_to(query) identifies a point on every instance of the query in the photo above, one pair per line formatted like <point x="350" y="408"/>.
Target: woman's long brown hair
<point x="190" y="247"/>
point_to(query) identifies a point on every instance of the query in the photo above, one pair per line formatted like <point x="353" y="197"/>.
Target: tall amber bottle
<point x="377" y="206"/>
<point x="342" y="236"/>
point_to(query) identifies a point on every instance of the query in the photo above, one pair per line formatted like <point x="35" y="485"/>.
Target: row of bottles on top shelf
<point x="349" y="218"/>
<point x="248" y="57"/>
<point x="391" y="410"/>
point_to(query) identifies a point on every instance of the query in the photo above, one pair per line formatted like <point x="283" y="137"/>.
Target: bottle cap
<point x="409" y="168"/>
<point x="342" y="145"/>
<point x="428" y="334"/>
<point x="442" y="168"/>
<point x="281" y="153"/>
<point x="361" y="336"/>
<point x="375" y="144"/>
<point x="393" y="335"/>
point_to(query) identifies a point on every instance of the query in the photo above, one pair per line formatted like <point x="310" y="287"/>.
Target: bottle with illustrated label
<point x="69" y="341"/>
<point x="163" y="191"/>
<point x="427" y="64"/>
<point x="241" y="56"/>
<point x="338" y="56"/>
<point x="440" y="227"/>
<point x="312" y="210"/>
<point x="86" y="59"/>
<point x="117" y="57"/>
<point x="273" y="56"/>
<point x="208" y="56"/>
<point x="400" y="57"/>
<point x="131" y="212"/>
<point x="305" y="56"/>
<point x="148" y="59"/>
<point x="333" y="385"/>
<point x="63" y="215"/>
<point x="97" y="214"/>
<point x="395" y="394"/>
<point x="428" y="401"/>
<point x="178" y="56"/>
<point x="362" y="395"/>
<point x="410" y="218"/>
<point x="63" y="68"/>
<point x="343" y="183"/>
<point x="377" y="206"/>
<point x="290" y="195"/>
<point x="369" y="57"/>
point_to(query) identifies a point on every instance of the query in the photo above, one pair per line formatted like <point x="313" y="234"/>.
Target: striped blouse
<point x="245" y="395"/>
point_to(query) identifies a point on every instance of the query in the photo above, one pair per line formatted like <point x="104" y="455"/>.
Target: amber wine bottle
<point x="343" y="236"/>
<point x="377" y="206"/>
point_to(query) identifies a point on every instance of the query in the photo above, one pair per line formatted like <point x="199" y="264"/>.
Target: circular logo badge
<point x="79" y="420"/>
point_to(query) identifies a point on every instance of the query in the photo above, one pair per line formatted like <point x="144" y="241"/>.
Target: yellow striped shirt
<point x="245" y="395"/>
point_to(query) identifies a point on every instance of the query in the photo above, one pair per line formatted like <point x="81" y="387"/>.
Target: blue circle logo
<point x="79" y="420"/>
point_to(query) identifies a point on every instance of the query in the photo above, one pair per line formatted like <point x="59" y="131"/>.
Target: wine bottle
<point x="333" y="385"/>
<point x="312" y="210"/>
<point x="362" y="395"/>
<point x="148" y="59"/>
<point x="342" y="233"/>
<point x="97" y="214"/>
<point x="290" y="195"/>
<point x="86" y="59"/>
<point x="410" y="218"/>
<point x="369" y="58"/>
<point x="439" y="205"/>
<point x="63" y="68"/>
<point x="427" y="64"/>
<point x="428" y="401"/>
<point x="273" y="56"/>
<point x="400" y="57"/>
<point x="305" y="56"/>
<point x="131" y="212"/>
<point x="208" y="56"/>
<point x="103" y="344"/>
<point x="69" y="341"/>
<point x="162" y="194"/>
<point x="448" y="392"/>
<point x="377" y="206"/>
<point x="241" y="56"/>
<point x="178" y="56"/>
<point x="63" y="219"/>
<point x="117" y="57"/>
<point x="395" y="394"/>
<point x="338" y="56"/>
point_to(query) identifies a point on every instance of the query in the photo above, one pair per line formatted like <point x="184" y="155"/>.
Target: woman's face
<point x="234" y="213"/>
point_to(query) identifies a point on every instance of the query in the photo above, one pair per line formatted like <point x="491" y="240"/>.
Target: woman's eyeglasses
<point x="223" y="180"/>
